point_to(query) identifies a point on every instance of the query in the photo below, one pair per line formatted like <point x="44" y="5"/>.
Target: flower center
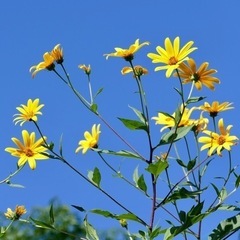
<point x="29" y="152"/>
<point x="221" y="140"/>
<point x="172" y="61"/>
<point x="195" y="77"/>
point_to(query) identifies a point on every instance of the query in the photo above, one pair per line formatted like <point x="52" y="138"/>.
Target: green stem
<point x="7" y="179"/>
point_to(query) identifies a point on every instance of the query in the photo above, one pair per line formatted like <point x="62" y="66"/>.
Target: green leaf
<point x="178" y="116"/>
<point x="179" y="92"/>
<point x="133" y="124"/>
<point x="129" y="216"/>
<point x="216" y="189"/>
<point x="157" y="167"/>
<point x="91" y="233"/>
<point x="51" y="215"/>
<point x="139" y="114"/>
<point x="191" y="164"/>
<point x="141" y="183"/>
<point x="98" y="92"/>
<point x="81" y="209"/>
<point x="171" y="136"/>
<point x="60" y="145"/>
<point x="103" y="213"/>
<point x="41" y="224"/>
<point x="95" y="176"/>
<point x="237" y="182"/>
<point x="182" y="193"/>
<point x="122" y="153"/>
<point x="194" y="100"/>
<point x="225" y="228"/>
<point x="181" y="163"/>
<point x="223" y="194"/>
<point x="94" y="107"/>
<point x="229" y="208"/>
<point x="135" y="175"/>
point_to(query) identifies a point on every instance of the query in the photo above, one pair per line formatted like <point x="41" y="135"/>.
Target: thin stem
<point x="7" y="179"/>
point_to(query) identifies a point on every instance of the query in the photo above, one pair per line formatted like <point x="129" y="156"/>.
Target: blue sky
<point x="86" y="30"/>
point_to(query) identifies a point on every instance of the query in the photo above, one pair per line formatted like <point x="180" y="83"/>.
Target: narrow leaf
<point x="91" y="233"/>
<point x="139" y="114"/>
<point x="81" y="209"/>
<point x="191" y="164"/>
<point x="133" y="124"/>
<point x="173" y="136"/>
<point x="41" y="224"/>
<point x="98" y="92"/>
<point x="51" y="215"/>
<point x="135" y="175"/>
<point x="194" y="100"/>
<point x="103" y="213"/>
<point x="141" y="184"/>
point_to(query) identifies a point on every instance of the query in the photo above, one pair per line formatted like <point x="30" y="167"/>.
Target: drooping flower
<point x="16" y="214"/>
<point x="48" y="63"/>
<point x="29" y="150"/>
<point x="201" y="76"/>
<point x="91" y="139"/>
<point x="218" y="142"/>
<point x="172" y="56"/>
<point x="216" y="107"/>
<point x="169" y="122"/>
<point x="127" y="54"/>
<point x="28" y="112"/>
<point x="200" y="124"/>
<point x="86" y="69"/>
<point x="139" y="70"/>
<point x="57" y="54"/>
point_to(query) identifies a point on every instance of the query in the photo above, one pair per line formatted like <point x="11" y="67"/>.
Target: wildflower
<point x="169" y="121"/>
<point x="57" y="54"/>
<point x="215" y="108"/>
<point x="91" y="139"/>
<point x="28" y="112"/>
<point x="48" y="63"/>
<point x="15" y="215"/>
<point x="201" y="76"/>
<point x="218" y="142"/>
<point x="172" y="55"/>
<point x="200" y="124"/>
<point x="127" y="54"/>
<point x="86" y="69"/>
<point x="29" y="150"/>
<point x="139" y="70"/>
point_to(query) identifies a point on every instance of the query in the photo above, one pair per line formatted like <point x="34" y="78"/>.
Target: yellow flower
<point x="15" y="215"/>
<point x="28" y="151"/>
<point x="86" y="69"/>
<point x="169" y="122"/>
<point x="215" y="108"/>
<point x="28" y="112"/>
<point x="217" y="141"/>
<point x="127" y="54"/>
<point x="57" y="54"/>
<point x="91" y="139"/>
<point x="200" y="124"/>
<point x="201" y="76"/>
<point x="172" y="55"/>
<point x="139" y="70"/>
<point x="48" y="63"/>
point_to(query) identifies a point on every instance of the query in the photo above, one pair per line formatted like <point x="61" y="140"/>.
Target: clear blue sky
<point x="86" y="30"/>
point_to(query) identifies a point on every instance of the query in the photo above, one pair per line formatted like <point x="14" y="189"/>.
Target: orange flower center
<point x="172" y="61"/>
<point x="195" y="77"/>
<point x="29" y="152"/>
<point x="221" y="140"/>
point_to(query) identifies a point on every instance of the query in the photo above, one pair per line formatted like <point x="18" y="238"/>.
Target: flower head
<point x="86" y="69"/>
<point x="15" y="215"/>
<point x="172" y="55"/>
<point x="29" y="150"/>
<point x="91" y="139"/>
<point x="28" y="112"/>
<point x="169" y="120"/>
<point x="218" y="142"/>
<point x="57" y="54"/>
<point x="201" y="76"/>
<point x="215" y="108"/>
<point x="139" y="70"/>
<point x="127" y="54"/>
<point x="48" y="63"/>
